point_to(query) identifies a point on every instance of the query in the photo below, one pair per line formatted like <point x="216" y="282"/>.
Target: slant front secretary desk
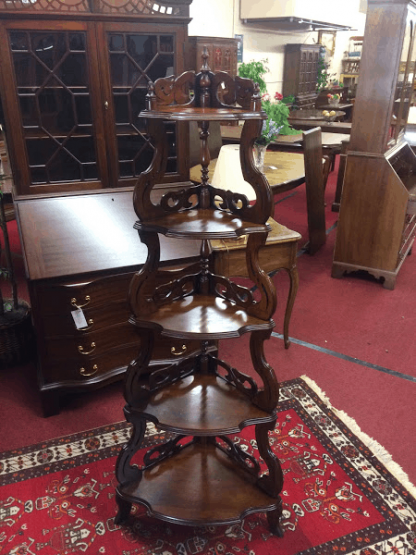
<point x="80" y="254"/>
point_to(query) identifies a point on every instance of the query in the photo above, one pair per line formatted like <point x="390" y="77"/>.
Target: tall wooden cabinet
<point x="377" y="223"/>
<point x="73" y="81"/>
<point x="300" y="73"/>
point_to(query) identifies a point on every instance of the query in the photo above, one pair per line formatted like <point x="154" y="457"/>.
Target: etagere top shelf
<point x="201" y="224"/>
<point x="203" y="211"/>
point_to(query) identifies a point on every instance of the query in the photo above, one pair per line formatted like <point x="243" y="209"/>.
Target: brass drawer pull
<point x="90" y="324"/>
<point x="81" y="349"/>
<point x="176" y="353"/>
<point x="74" y="302"/>
<point x="83" y="372"/>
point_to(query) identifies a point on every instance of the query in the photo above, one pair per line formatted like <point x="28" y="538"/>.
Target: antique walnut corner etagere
<point x="377" y="219"/>
<point x="200" y="475"/>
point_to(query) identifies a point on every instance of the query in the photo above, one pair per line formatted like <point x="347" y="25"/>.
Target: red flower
<point x="278" y="96"/>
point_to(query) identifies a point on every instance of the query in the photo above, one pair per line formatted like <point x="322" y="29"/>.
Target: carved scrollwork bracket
<point x="244" y="459"/>
<point x="241" y="381"/>
<point x="160" y="452"/>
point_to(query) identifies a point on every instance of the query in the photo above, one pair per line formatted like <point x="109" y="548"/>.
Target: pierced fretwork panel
<point x="53" y="90"/>
<point x="136" y="59"/>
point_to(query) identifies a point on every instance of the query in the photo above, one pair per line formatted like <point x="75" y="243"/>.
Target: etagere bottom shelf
<point x="198" y="485"/>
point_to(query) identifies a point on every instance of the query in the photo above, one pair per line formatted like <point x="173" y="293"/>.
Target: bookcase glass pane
<point x="136" y="59"/>
<point x="53" y="90"/>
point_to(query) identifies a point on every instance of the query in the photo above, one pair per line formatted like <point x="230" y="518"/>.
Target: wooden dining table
<point x="283" y="170"/>
<point x="232" y="134"/>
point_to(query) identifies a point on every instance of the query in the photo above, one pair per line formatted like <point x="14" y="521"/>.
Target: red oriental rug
<point x="58" y="497"/>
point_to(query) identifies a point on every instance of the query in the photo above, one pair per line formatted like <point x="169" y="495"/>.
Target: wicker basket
<point x="16" y="337"/>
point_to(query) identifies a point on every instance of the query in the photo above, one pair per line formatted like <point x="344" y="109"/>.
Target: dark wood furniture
<point x="346" y="107"/>
<point x="82" y="251"/>
<point x="300" y="73"/>
<point x="330" y="127"/>
<point x="377" y="214"/>
<point x="73" y="78"/>
<point x="200" y="476"/>
<point x="315" y="177"/>
<point x="80" y="254"/>
<point x="222" y="53"/>
<point x="314" y="114"/>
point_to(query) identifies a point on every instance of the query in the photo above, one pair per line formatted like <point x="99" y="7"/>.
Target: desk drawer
<point x="81" y="347"/>
<point x="73" y="371"/>
<point x="63" y="360"/>
<point x="61" y="298"/>
<point x="97" y="318"/>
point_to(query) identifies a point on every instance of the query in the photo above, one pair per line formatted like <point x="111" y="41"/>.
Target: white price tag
<point x="79" y="319"/>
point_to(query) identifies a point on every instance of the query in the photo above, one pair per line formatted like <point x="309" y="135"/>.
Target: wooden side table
<point x="229" y="258"/>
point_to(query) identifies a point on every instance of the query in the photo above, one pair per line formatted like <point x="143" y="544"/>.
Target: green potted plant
<point x="254" y="71"/>
<point x="323" y="77"/>
<point x="16" y="337"/>
<point x="277" y="111"/>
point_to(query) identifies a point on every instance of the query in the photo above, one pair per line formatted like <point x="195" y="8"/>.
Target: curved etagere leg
<point x="154" y="174"/>
<point x="262" y="209"/>
<point x="273" y="482"/>
<point x="143" y="282"/>
<point x="266" y="307"/>
<point x="268" y="397"/>
<point x="273" y="518"/>
<point x="136" y="393"/>
<point x="126" y="473"/>
<point x="124" y="508"/>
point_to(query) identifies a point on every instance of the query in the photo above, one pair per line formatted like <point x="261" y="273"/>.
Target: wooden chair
<point x="317" y="167"/>
<point x="316" y="176"/>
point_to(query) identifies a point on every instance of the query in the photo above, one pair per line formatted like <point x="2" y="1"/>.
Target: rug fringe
<point x="379" y="451"/>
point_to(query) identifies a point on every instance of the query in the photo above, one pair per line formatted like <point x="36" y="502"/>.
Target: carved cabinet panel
<point x="222" y="53"/>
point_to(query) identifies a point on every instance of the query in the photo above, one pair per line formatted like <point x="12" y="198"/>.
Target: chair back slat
<point x="314" y="177"/>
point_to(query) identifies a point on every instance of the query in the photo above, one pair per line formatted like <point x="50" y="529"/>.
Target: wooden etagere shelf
<point x="201" y="476"/>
